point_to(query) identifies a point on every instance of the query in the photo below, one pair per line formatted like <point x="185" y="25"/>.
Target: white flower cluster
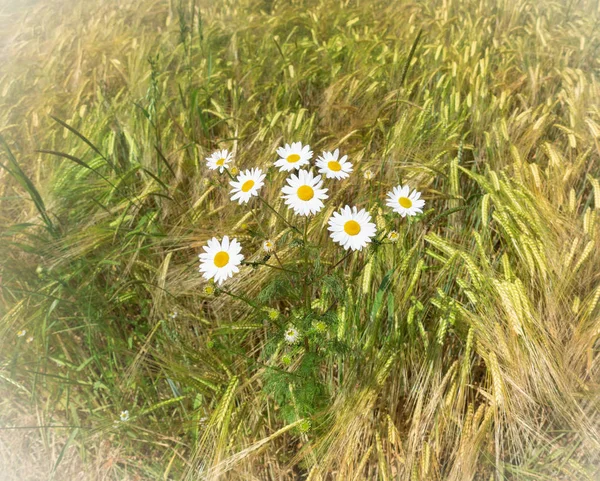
<point x="304" y="195"/>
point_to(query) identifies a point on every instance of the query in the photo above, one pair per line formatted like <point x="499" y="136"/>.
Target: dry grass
<point x="478" y="361"/>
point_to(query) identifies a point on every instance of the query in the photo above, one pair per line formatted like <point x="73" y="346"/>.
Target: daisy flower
<point x="124" y="416"/>
<point x="404" y="202"/>
<point x="291" y="335"/>
<point x="247" y="185"/>
<point x="368" y="175"/>
<point x="220" y="260"/>
<point x="29" y="339"/>
<point x="351" y="228"/>
<point x="304" y="193"/>
<point x="21" y="333"/>
<point x="293" y="156"/>
<point x="219" y="160"/>
<point x="393" y="236"/>
<point x="332" y="167"/>
<point x="268" y="246"/>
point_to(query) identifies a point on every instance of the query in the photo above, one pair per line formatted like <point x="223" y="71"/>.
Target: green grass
<point x="468" y="350"/>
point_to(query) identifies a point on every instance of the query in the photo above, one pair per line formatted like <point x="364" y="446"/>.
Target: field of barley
<point x="460" y="343"/>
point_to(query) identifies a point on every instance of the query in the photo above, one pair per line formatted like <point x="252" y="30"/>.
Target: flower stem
<point x="284" y="269"/>
<point x="278" y="214"/>
<point x="306" y="271"/>
<point x="250" y="263"/>
<point x="241" y="298"/>
<point x="348" y="254"/>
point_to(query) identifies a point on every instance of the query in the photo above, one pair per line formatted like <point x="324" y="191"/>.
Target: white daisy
<point x="293" y="156"/>
<point x="219" y="160"/>
<point x="304" y="193"/>
<point x="368" y="174"/>
<point x="268" y="246"/>
<point x="404" y="202"/>
<point x="21" y="333"/>
<point x="291" y="335"/>
<point x="247" y="185"/>
<point x="332" y="167"/>
<point x="220" y="260"/>
<point x="351" y="228"/>
<point x="124" y="416"/>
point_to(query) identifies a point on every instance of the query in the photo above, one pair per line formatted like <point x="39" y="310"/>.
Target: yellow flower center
<point x="305" y="192"/>
<point x="247" y="185"/>
<point x="352" y="227"/>
<point x="405" y="202"/>
<point x="334" y="165"/>
<point x="221" y="259"/>
<point x="292" y="158"/>
<point x="221" y="161"/>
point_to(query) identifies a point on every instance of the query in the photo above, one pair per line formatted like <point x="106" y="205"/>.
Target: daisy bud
<point x="268" y="246"/>
<point x="393" y="236"/>
<point x="292" y="335"/>
<point x="305" y="426"/>
<point x="320" y="327"/>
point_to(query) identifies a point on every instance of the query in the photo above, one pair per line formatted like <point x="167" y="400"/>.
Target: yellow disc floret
<point x="352" y="227"/>
<point x="305" y="192"/>
<point x="334" y="165"/>
<point x="247" y="185"/>
<point x="405" y="202"/>
<point x="221" y="259"/>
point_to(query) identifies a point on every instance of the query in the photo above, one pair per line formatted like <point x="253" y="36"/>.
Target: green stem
<point x="348" y="254"/>
<point x="306" y="286"/>
<point x="229" y="174"/>
<point x="241" y="298"/>
<point x="259" y="225"/>
<point x="281" y="263"/>
<point x="278" y="214"/>
<point x="249" y="263"/>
